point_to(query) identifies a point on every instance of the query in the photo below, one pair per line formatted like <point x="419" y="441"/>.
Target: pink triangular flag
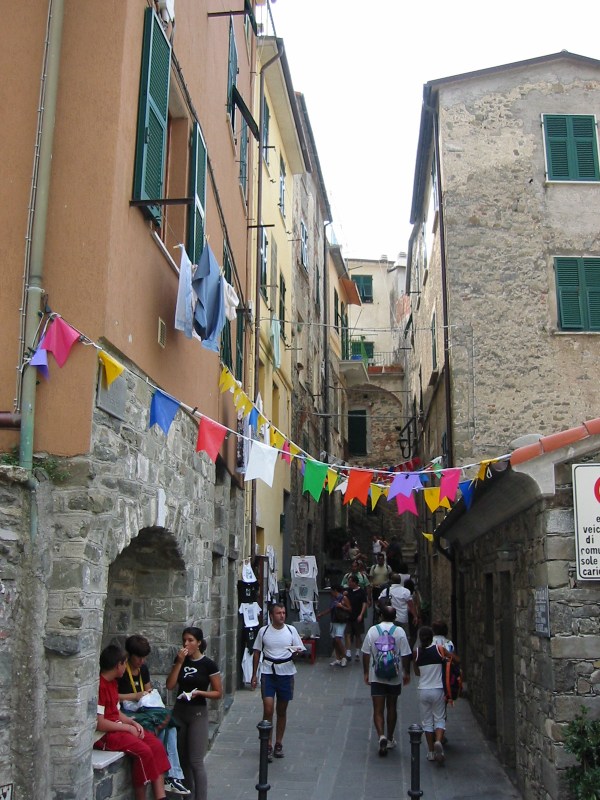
<point x="285" y="452"/>
<point x="404" y="503"/>
<point x="449" y="484"/>
<point x="59" y="340"/>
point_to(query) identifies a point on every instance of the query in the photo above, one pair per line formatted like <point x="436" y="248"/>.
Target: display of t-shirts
<point x="303" y="589"/>
<point x="272" y="556"/>
<point x="307" y="612"/>
<point x="251" y="612"/>
<point x="195" y="674"/>
<point x="277" y="646"/>
<point x="184" y="309"/>
<point x="247" y="592"/>
<point x="247" y="575"/>
<point x="304" y="566"/>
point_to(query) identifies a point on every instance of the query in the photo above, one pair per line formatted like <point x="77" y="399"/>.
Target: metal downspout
<point x="261" y="122"/>
<point x="326" y="406"/>
<point x="34" y="289"/>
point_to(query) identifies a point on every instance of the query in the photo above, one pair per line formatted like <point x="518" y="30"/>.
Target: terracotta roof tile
<point x="592" y="426"/>
<point x="563" y="438"/>
<point x="526" y="453"/>
<point x="555" y="441"/>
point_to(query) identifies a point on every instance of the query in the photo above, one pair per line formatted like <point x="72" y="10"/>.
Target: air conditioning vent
<point x="162" y="332"/>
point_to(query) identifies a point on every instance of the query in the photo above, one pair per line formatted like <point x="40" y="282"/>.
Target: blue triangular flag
<point x="162" y="410"/>
<point x="253" y="418"/>
<point x="467" y="488"/>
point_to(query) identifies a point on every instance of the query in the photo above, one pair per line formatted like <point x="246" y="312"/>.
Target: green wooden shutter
<point x="153" y="109"/>
<point x="196" y="218"/>
<point x="569" y="295"/>
<point x="591" y="274"/>
<point x="244" y="158"/>
<point x="571" y="147"/>
<point x="232" y="70"/>
<point x="357" y="432"/>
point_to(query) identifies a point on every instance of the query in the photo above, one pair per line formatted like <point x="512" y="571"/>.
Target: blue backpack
<point x="386" y="663"/>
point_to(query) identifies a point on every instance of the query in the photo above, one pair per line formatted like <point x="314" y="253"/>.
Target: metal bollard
<point x="415" y="732"/>
<point x="262" y="787"/>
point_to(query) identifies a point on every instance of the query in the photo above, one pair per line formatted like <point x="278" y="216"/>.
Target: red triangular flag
<point x="359" y="483"/>
<point x="210" y="437"/>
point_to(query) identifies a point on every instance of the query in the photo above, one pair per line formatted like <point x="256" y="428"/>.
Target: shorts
<point x="338" y="629"/>
<point x="355" y="628"/>
<point x="385" y="689"/>
<point x="280" y="686"/>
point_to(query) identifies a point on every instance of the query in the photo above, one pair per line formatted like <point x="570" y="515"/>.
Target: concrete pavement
<point x="331" y="747"/>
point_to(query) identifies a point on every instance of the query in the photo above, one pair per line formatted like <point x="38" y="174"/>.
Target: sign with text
<point x="586" y="500"/>
<point x="542" y="612"/>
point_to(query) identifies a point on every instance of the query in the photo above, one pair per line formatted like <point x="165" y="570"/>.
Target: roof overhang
<point x="354" y="372"/>
<point x="351" y="292"/>
<point x="509" y="491"/>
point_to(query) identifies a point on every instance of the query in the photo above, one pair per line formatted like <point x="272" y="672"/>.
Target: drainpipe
<point x="326" y="405"/>
<point x="259" y="229"/>
<point x="34" y="289"/>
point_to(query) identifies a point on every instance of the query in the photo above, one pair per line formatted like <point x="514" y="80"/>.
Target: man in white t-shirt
<point x="278" y="643"/>
<point x="400" y="597"/>
<point x="385" y="691"/>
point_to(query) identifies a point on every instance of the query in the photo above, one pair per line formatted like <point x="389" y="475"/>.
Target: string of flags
<point x="362" y="484"/>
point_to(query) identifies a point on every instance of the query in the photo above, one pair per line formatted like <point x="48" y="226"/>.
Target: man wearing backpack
<point x="386" y="665"/>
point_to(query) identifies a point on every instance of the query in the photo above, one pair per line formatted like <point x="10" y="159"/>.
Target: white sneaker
<point x="335" y="663"/>
<point x="349" y="655"/>
<point x="175" y="786"/>
<point x="391" y="744"/>
<point x="357" y="657"/>
<point x="438" y="751"/>
<point x="430" y="756"/>
<point x="343" y="662"/>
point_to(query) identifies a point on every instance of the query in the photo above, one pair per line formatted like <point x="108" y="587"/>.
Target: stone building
<point x="503" y="265"/>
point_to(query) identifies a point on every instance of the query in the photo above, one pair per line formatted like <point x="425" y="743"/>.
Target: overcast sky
<point x="361" y="67"/>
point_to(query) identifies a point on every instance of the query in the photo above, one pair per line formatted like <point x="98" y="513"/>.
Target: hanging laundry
<point x="184" y="310"/>
<point x="230" y="300"/>
<point x="209" y="314"/>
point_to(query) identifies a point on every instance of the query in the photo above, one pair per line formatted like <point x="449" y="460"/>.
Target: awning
<point x="352" y="295"/>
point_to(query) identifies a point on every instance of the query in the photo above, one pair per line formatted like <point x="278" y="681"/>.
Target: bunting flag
<point x="467" y="488"/>
<point x="294" y="450"/>
<point x="428" y="536"/>
<point x="39" y="360"/>
<point x="404" y="503"/>
<point x="483" y="468"/>
<point x="403" y="483"/>
<point x="253" y="418"/>
<point x="112" y="368"/>
<point x="315" y="473"/>
<point x="162" y="410"/>
<point x="261" y="463"/>
<point x="226" y="381"/>
<point x="277" y="439"/>
<point x="211" y="436"/>
<point x="285" y="454"/>
<point x="59" y="340"/>
<point x="359" y="482"/>
<point x="342" y="486"/>
<point x="449" y="484"/>
<point x="332" y="478"/>
<point x="376" y="492"/>
<point x="432" y="498"/>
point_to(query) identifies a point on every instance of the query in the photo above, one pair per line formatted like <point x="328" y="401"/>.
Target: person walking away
<point x="386" y="667"/>
<point x="393" y="554"/>
<point x="339" y="609"/>
<point x="117" y="731"/>
<point x="356" y="626"/>
<point x="136" y="684"/>
<point x="400" y="597"/>
<point x="428" y="664"/>
<point x="278" y="644"/>
<point x="198" y="680"/>
<point x="440" y="635"/>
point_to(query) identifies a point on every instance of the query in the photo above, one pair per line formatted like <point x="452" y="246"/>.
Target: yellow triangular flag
<point x="432" y="497"/>
<point x="445" y="503"/>
<point x="240" y="399"/>
<point x="262" y="421"/>
<point x="294" y="450"/>
<point x="277" y="439"/>
<point x="248" y="406"/>
<point x="428" y="536"/>
<point x="376" y="492"/>
<point x="483" y="466"/>
<point x="332" y="477"/>
<point x="112" y="368"/>
<point x="226" y="381"/>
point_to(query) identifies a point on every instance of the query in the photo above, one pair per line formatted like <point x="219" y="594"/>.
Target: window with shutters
<point x="232" y="71"/>
<point x="578" y="293"/>
<point x="364" y="284"/>
<point x="153" y="115"/>
<point x="357" y="432"/>
<point x="264" y="252"/>
<point x="244" y="159"/>
<point x="336" y="310"/>
<point x="571" y="144"/>
<point x="282" y="293"/>
<point x="303" y="244"/>
<point x="265" y="131"/>
<point x="197" y="210"/>
<point x="282" y="185"/>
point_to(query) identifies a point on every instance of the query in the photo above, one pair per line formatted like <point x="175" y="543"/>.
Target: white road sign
<point x="586" y="499"/>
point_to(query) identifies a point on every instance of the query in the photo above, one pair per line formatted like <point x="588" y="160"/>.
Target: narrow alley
<point x="331" y="752"/>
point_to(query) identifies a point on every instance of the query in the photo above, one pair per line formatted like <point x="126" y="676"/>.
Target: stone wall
<point x="525" y="687"/>
<point x="132" y="536"/>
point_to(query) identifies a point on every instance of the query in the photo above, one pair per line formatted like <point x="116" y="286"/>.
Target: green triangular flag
<point x="315" y="473"/>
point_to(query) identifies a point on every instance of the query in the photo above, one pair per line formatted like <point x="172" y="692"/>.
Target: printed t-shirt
<point x="195" y="674"/>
